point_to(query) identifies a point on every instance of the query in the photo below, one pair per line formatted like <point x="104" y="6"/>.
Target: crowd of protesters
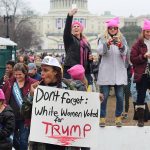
<point x="116" y="65"/>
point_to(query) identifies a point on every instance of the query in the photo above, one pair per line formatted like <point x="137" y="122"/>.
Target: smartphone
<point x="115" y="37"/>
<point x="74" y="6"/>
<point x="115" y="40"/>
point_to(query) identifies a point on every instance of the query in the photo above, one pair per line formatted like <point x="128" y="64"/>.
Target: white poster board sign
<point x="64" y="117"/>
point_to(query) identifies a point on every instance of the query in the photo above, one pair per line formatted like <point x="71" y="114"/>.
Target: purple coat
<point x="7" y="88"/>
<point x="137" y="58"/>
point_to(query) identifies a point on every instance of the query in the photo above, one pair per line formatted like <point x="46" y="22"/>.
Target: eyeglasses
<point x="113" y="28"/>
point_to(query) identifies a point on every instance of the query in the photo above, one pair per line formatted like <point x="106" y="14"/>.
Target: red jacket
<point x="137" y="58"/>
<point x="7" y="88"/>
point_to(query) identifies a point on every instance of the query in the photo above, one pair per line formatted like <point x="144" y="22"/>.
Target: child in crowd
<point x="7" y="124"/>
<point x="77" y="72"/>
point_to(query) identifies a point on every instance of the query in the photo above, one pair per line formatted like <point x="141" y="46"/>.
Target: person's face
<point x="9" y="69"/>
<point x="48" y="74"/>
<point x="32" y="72"/>
<point x="147" y="34"/>
<point x="113" y="30"/>
<point x="21" y="59"/>
<point x="76" y="30"/>
<point x="19" y="75"/>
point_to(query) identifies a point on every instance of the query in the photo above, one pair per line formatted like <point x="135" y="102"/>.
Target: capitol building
<point x="51" y="26"/>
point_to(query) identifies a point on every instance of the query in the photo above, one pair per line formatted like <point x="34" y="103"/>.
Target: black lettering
<point x="64" y="97"/>
<point x="37" y="95"/>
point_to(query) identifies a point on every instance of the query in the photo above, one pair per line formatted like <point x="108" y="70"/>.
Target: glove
<point x="110" y="42"/>
<point x="119" y="44"/>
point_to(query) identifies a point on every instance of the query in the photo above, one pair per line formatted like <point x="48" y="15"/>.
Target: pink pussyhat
<point x="78" y="23"/>
<point x="76" y="72"/>
<point x="146" y="24"/>
<point x="2" y="96"/>
<point x="113" y="22"/>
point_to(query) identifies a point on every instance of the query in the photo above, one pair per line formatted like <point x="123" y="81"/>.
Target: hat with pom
<point x="113" y="22"/>
<point x="76" y="72"/>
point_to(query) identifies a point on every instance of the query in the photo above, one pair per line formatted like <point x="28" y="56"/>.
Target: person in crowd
<point x="112" y="71"/>
<point x="31" y="58"/>
<point x="77" y="73"/>
<point x="32" y="71"/>
<point x="140" y="57"/>
<point x="77" y="48"/>
<point x="15" y="89"/>
<point x="7" y="124"/>
<point x="8" y="72"/>
<point x="23" y="59"/>
<point x="52" y="76"/>
<point x="127" y="92"/>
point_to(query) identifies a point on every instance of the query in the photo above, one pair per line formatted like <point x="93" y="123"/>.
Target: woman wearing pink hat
<point x="7" y="124"/>
<point x="112" y="70"/>
<point x="140" y="57"/>
<point x="77" y="48"/>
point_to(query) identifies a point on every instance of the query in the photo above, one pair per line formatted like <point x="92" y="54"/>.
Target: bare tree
<point x="18" y="20"/>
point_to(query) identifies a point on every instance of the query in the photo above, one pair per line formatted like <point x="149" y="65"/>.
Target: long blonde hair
<point x="108" y="37"/>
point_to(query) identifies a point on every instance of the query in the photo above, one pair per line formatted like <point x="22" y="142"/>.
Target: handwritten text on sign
<point x="64" y="117"/>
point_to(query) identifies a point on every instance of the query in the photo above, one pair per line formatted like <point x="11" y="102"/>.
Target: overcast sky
<point x="117" y="7"/>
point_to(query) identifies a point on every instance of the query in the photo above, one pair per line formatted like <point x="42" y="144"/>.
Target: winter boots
<point x="140" y="109"/>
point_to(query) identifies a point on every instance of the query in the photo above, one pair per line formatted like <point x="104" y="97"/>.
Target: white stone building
<point x="51" y="26"/>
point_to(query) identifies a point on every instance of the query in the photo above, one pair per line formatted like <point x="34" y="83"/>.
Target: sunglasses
<point x="113" y="28"/>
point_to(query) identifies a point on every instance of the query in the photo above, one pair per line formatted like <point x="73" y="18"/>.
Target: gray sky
<point x="117" y="7"/>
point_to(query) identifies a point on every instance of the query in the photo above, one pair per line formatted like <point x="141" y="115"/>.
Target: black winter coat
<point x="72" y="48"/>
<point x="7" y="126"/>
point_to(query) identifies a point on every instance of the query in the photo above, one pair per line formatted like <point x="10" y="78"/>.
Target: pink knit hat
<point x="146" y="24"/>
<point x="76" y="72"/>
<point x="78" y="23"/>
<point x="113" y="22"/>
<point x="2" y="96"/>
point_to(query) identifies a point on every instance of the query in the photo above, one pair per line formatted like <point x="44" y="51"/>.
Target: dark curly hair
<point x="58" y="75"/>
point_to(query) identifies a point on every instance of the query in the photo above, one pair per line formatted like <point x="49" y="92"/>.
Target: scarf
<point x="83" y="52"/>
<point x="17" y="94"/>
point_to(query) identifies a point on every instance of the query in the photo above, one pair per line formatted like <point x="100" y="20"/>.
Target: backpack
<point x="75" y="85"/>
<point x="26" y="108"/>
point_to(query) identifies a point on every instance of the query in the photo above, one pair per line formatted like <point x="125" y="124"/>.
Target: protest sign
<point x="64" y="117"/>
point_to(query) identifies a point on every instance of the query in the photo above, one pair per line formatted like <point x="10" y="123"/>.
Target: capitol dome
<point x="65" y="5"/>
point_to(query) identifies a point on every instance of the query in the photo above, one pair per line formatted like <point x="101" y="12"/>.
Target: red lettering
<point x="70" y="131"/>
<point x="55" y="128"/>
<point x="75" y="128"/>
<point x="47" y="124"/>
<point x="86" y="128"/>
<point x="65" y="131"/>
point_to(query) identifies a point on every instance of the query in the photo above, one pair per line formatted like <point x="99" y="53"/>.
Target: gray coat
<point x="112" y="70"/>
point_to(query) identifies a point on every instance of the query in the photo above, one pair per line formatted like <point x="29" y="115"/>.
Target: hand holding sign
<point x="64" y="117"/>
<point x="33" y="87"/>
